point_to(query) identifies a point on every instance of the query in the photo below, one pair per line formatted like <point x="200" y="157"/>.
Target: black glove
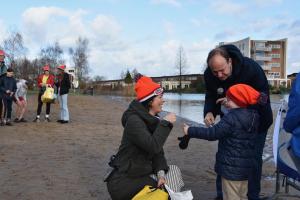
<point x="184" y="141"/>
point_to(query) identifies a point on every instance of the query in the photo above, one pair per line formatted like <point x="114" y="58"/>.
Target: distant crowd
<point x="15" y="91"/>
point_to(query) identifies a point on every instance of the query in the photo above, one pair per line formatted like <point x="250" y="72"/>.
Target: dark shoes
<point x="17" y="120"/>
<point x="62" y="121"/>
<point x="8" y="123"/>
<point x="37" y="120"/>
<point x="22" y="120"/>
<point x="47" y="119"/>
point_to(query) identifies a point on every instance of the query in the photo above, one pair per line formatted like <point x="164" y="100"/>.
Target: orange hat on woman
<point x="46" y="68"/>
<point x="145" y="88"/>
<point x="243" y="95"/>
<point x="62" y="67"/>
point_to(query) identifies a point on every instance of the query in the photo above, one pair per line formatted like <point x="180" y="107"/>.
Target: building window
<point x="275" y="46"/>
<point x="274" y="55"/>
<point x="274" y="64"/>
<point x="259" y="44"/>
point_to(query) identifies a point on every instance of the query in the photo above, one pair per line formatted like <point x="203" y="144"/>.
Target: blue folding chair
<point x="287" y="166"/>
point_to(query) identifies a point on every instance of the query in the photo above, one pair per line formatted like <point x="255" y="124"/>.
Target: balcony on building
<point x="266" y="67"/>
<point x="262" y="58"/>
<point x="262" y="48"/>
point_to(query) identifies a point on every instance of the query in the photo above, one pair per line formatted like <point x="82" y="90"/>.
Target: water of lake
<point x="190" y="106"/>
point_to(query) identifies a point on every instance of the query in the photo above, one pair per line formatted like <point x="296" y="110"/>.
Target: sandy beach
<point x="68" y="161"/>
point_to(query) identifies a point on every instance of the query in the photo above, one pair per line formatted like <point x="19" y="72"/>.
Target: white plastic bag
<point x="185" y="195"/>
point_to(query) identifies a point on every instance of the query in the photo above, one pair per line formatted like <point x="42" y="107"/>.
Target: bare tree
<point x="134" y="72"/>
<point x="52" y="55"/>
<point x="14" y="48"/>
<point x="181" y="65"/>
<point x="98" y="78"/>
<point x="80" y="58"/>
<point x="122" y="75"/>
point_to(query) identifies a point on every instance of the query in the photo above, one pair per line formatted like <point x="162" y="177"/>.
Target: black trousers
<point x="121" y="187"/>
<point x="7" y="101"/>
<point x="40" y="105"/>
<point x="1" y="107"/>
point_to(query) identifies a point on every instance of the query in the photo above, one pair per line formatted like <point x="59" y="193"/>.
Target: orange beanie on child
<point x="146" y="88"/>
<point x="243" y="95"/>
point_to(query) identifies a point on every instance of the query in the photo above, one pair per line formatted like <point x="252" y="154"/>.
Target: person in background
<point x="236" y="132"/>
<point x="21" y="100"/>
<point x="3" y="70"/>
<point x="63" y="85"/>
<point x="226" y="66"/>
<point x="44" y="80"/>
<point x="8" y="88"/>
<point x="292" y="120"/>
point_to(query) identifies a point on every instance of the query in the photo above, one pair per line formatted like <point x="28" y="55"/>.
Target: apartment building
<point x="269" y="54"/>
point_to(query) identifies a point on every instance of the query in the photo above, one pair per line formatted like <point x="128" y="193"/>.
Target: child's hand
<point x="223" y="101"/>
<point x="185" y="128"/>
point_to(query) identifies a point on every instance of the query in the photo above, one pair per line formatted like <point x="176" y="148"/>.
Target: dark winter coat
<point x="140" y="153"/>
<point x="64" y="84"/>
<point x="7" y="83"/>
<point x="236" y="133"/>
<point x="246" y="71"/>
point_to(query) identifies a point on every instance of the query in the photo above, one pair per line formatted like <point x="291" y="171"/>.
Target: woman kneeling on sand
<point x="140" y="160"/>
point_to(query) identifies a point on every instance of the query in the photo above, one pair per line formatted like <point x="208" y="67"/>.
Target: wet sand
<point x="68" y="161"/>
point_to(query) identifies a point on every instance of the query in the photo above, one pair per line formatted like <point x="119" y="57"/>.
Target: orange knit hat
<point x="243" y="95"/>
<point x="145" y="88"/>
<point x="62" y="67"/>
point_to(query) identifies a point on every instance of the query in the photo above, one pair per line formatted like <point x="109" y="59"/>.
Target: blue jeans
<point x="255" y="176"/>
<point x="63" y="104"/>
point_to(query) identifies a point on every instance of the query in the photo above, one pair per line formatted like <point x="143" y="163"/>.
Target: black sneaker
<point x="8" y="123"/>
<point x="37" y="120"/>
<point x="64" y="122"/>
<point x="16" y="120"/>
<point x="59" y="121"/>
<point x="47" y="119"/>
<point x="22" y="120"/>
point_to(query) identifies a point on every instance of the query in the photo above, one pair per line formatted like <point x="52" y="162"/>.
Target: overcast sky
<point x="146" y="34"/>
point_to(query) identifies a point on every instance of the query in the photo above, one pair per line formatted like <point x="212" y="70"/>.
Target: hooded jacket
<point x="50" y="81"/>
<point x="21" y="89"/>
<point x="141" y="150"/>
<point x="7" y="83"/>
<point x="246" y="71"/>
<point x="236" y="133"/>
<point x="292" y="121"/>
<point x="63" y="83"/>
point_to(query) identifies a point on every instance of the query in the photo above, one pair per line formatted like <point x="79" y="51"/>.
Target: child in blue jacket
<point x="236" y="133"/>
